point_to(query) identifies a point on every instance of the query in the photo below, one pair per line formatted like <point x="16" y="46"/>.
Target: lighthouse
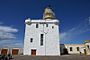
<point x="42" y="35"/>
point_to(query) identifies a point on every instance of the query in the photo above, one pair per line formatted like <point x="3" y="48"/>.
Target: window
<point x="46" y="25"/>
<point x="88" y="46"/>
<point x="70" y="48"/>
<point x="36" y="25"/>
<point x="41" y="40"/>
<point x="31" y="39"/>
<point x="77" y="48"/>
<point x="52" y="27"/>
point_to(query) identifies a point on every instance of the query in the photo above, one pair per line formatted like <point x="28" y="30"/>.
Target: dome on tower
<point x="48" y="14"/>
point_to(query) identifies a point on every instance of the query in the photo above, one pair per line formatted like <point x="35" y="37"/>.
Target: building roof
<point x="72" y="44"/>
<point x="87" y="41"/>
<point x="27" y="21"/>
<point x="48" y="13"/>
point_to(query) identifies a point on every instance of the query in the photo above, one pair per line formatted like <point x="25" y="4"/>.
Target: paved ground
<point x="63" y="57"/>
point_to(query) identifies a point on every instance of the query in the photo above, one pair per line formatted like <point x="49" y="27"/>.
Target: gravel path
<point x="63" y="57"/>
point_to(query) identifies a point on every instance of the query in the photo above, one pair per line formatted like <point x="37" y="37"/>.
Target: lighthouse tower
<point x="42" y="35"/>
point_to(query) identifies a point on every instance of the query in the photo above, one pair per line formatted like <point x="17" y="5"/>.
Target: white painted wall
<point x="74" y="48"/>
<point x="87" y="49"/>
<point x="51" y="37"/>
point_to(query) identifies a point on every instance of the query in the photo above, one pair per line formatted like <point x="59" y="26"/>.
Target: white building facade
<point x="42" y="36"/>
<point x="72" y="48"/>
<point x="87" y="46"/>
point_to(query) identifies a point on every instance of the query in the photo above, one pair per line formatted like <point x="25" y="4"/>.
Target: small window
<point x="77" y="48"/>
<point x="36" y="25"/>
<point x="41" y="41"/>
<point x="52" y="27"/>
<point x="88" y="46"/>
<point x="70" y="48"/>
<point x="46" y="25"/>
<point x="31" y="39"/>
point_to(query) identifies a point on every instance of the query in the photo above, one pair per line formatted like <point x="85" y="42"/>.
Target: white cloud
<point x="1" y="23"/>
<point x="8" y="29"/>
<point x="10" y="44"/>
<point x="8" y="37"/>
<point x="67" y="36"/>
<point x="7" y="32"/>
<point x="74" y="32"/>
<point x="89" y="20"/>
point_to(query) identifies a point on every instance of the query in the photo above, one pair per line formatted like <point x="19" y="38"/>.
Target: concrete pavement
<point x="63" y="57"/>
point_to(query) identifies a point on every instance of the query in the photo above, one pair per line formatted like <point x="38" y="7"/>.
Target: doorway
<point x="15" y="51"/>
<point x="33" y="51"/>
<point x="4" y="51"/>
<point x="85" y="51"/>
<point x="65" y="51"/>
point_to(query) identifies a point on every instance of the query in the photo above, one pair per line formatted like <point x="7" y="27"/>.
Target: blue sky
<point x="72" y="14"/>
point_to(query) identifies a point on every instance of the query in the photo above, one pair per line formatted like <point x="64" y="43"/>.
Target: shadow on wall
<point x="63" y="49"/>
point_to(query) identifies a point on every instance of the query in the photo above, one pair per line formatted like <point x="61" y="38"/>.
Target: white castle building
<point x="42" y="35"/>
